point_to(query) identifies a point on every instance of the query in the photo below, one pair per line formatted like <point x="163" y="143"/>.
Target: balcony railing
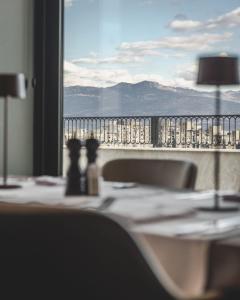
<point x="158" y="131"/>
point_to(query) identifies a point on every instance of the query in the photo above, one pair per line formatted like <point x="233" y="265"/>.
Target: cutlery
<point x="107" y="202"/>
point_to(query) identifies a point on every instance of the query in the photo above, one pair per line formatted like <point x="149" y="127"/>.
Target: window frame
<point x="48" y="87"/>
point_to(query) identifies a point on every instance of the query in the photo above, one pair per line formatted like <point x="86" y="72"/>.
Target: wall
<point x="16" y="56"/>
<point x="230" y="162"/>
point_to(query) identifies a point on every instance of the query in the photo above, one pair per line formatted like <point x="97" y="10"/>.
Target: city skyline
<point x="166" y="132"/>
<point x="156" y="40"/>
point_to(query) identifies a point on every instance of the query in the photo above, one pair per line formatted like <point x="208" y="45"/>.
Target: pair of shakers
<point x="82" y="182"/>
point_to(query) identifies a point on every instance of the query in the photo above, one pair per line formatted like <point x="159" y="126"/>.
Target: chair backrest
<point x="175" y="174"/>
<point x="73" y="255"/>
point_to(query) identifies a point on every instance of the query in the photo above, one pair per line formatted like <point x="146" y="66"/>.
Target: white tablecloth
<point x="182" y="239"/>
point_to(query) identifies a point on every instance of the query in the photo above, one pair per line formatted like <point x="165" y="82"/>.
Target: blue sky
<point x="110" y="41"/>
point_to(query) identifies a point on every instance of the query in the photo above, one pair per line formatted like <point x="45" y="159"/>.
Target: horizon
<point x="210" y="89"/>
<point x="145" y="98"/>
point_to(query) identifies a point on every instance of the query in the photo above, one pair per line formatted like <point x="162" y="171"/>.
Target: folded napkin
<point x="49" y="180"/>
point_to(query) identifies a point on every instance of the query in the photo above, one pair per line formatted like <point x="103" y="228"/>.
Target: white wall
<point x="16" y="28"/>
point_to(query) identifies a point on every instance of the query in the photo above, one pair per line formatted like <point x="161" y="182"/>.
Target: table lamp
<point x="218" y="71"/>
<point x="11" y="86"/>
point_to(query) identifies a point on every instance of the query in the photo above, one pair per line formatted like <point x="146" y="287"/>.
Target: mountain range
<point x="145" y="98"/>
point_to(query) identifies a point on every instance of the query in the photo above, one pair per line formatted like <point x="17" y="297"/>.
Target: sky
<point x="112" y="41"/>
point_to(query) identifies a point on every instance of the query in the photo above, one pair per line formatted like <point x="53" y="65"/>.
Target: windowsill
<point x="145" y="148"/>
<point x="167" y="149"/>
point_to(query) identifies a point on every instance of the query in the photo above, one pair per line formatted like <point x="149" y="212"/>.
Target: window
<point x="129" y="75"/>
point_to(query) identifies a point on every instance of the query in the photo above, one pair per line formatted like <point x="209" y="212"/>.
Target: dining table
<point x="198" y="250"/>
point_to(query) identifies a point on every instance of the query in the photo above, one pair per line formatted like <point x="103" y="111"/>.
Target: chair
<point x="59" y="254"/>
<point x="174" y="174"/>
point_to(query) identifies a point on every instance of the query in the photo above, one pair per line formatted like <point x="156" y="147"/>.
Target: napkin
<point x="49" y="180"/>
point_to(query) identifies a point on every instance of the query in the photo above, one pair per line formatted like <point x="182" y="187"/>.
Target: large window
<point x="130" y="70"/>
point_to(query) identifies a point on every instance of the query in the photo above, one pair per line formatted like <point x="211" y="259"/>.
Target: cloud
<point x="137" y="52"/>
<point x="124" y="56"/>
<point x="78" y="72"/>
<point x="229" y="20"/>
<point x="186" y="43"/>
<point x="184" y="77"/>
<point x="185" y="24"/>
<point x="119" y="59"/>
<point x="70" y="67"/>
<point x="75" y="75"/>
<point x="68" y="3"/>
<point x="187" y="72"/>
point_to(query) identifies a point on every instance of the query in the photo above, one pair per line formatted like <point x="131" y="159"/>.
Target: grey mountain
<point x="145" y="98"/>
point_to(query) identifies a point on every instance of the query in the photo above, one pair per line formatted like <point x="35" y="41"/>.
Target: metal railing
<point x="198" y="131"/>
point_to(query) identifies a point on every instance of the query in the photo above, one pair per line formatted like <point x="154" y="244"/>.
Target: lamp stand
<point x="217" y="207"/>
<point x="5" y="149"/>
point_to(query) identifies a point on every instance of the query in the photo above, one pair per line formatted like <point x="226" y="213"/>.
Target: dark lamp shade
<point x="218" y="70"/>
<point x="12" y="85"/>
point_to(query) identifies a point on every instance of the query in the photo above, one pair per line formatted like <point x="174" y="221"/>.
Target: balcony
<point x="192" y="138"/>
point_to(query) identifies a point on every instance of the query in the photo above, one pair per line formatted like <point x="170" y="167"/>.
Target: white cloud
<point x="70" y="67"/>
<point x="184" y="24"/>
<point x="125" y="57"/>
<point x="68" y="3"/>
<point x="187" y="72"/>
<point x="137" y="52"/>
<point x="108" y="60"/>
<point x="187" y="43"/>
<point x="75" y="75"/>
<point x="230" y="19"/>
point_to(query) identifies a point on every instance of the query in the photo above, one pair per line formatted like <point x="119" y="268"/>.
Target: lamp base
<point x="219" y="209"/>
<point x="9" y="186"/>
